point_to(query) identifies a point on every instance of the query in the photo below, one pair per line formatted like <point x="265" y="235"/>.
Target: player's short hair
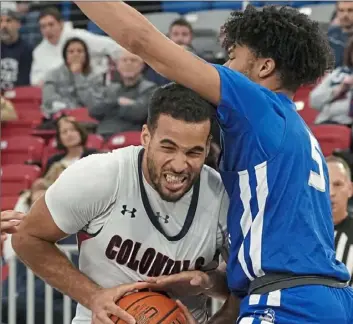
<point x="181" y="22"/>
<point x="338" y="160"/>
<point x="178" y="102"/>
<point x="77" y="126"/>
<point x="297" y="45"/>
<point x="50" y="11"/>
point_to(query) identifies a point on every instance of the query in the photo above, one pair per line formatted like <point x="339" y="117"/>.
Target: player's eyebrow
<point x="167" y="141"/>
<point x="170" y="142"/>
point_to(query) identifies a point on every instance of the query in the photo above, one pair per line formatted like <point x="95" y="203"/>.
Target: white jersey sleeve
<point x="84" y="191"/>
<point x="222" y="233"/>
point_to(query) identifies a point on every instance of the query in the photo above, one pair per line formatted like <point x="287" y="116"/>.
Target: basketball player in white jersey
<point x="139" y="212"/>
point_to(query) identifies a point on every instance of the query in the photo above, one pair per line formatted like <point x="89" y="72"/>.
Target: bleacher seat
<point x="19" y="127"/>
<point x="122" y="140"/>
<point x="8" y="202"/>
<point x="321" y="12"/>
<point x="80" y="114"/>
<point x="162" y="20"/>
<point x="183" y="7"/>
<point x="205" y="43"/>
<point x="25" y="98"/>
<point x="210" y="19"/>
<point x="17" y="177"/>
<point x="21" y="149"/>
<point x="332" y="137"/>
<point x="301" y="99"/>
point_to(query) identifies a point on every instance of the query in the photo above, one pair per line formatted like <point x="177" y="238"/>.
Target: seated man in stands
<point x="16" y="54"/>
<point x="70" y="85"/>
<point x="121" y="107"/>
<point x="341" y="191"/>
<point x="181" y="33"/>
<point x="48" y="54"/>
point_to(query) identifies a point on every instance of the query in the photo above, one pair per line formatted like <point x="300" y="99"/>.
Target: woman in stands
<point x="70" y="86"/>
<point x="333" y="96"/>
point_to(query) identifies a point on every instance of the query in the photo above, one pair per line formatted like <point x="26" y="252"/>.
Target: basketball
<point x="150" y="308"/>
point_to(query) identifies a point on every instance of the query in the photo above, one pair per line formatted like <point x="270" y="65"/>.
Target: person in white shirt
<point x="140" y="212"/>
<point x="48" y="54"/>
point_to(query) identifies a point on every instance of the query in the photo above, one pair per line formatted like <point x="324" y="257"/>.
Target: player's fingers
<point x="9" y="226"/>
<point x="151" y="279"/>
<point x="101" y="318"/>
<point x="113" y="309"/>
<point x="3" y="237"/>
<point x="10" y="214"/>
<point x="190" y="319"/>
<point x="201" y="281"/>
<point x="165" y="280"/>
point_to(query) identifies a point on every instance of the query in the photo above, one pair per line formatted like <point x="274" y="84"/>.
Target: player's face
<point x="175" y="154"/>
<point x="69" y="135"/>
<point x="340" y="189"/>
<point x="242" y="59"/>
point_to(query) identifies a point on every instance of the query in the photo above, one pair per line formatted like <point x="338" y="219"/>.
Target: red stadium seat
<point x="21" y="149"/>
<point x="20" y="127"/>
<point x="123" y="139"/>
<point x="17" y="177"/>
<point x="332" y="137"/>
<point x="25" y="98"/>
<point x="301" y="99"/>
<point x="80" y="114"/>
<point x="8" y="202"/>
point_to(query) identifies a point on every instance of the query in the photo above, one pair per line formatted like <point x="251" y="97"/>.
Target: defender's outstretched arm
<point x="134" y="32"/>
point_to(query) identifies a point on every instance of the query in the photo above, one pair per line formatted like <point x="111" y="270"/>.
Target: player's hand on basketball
<point x="103" y="303"/>
<point x="181" y="284"/>
<point x="190" y="319"/>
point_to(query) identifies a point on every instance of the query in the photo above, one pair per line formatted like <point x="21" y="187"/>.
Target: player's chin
<point x="173" y="193"/>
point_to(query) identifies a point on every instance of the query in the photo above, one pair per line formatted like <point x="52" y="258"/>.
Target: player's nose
<point x="179" y="163"/>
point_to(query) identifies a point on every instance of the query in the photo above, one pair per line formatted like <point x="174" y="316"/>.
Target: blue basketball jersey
<point x="275" y="174"/>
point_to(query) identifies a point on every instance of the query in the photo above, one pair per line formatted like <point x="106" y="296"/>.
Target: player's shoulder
<point x="211" y="180"/>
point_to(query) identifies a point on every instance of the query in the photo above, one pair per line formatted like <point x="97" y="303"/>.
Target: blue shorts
<point x="300" y="305"/>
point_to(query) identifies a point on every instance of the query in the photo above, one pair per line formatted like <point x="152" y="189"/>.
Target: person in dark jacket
<point x="16" y="53"/>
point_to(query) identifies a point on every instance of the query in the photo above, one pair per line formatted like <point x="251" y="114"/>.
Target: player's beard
<point x="156" y="181"/>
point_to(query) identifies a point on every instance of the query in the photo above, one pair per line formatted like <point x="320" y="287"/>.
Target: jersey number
<point x="316" y="180"/>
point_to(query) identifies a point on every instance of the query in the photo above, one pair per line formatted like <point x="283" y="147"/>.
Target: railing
<point x="69" y="250"/>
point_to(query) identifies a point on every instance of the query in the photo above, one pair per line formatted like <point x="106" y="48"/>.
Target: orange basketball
<point x="151" y="308"/>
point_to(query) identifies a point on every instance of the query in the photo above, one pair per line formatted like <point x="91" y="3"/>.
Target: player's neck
<point x="339" y="217"/>
<point x="145" y="172"/>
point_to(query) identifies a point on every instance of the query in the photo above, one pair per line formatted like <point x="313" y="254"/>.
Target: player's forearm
<point x="228" y="313"/>
<point x="219" y="284"/>
<point x="49" y="263"/>
<point x="128" y="28"/>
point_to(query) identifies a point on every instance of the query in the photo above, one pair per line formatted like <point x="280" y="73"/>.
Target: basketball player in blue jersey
<point x="282" y="264"/>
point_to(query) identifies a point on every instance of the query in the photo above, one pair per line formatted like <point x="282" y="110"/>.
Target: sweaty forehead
<point x="182" y="133"/>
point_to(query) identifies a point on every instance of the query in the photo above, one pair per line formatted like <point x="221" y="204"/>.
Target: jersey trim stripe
<point x="246" y="217"/>
<point x="257" y="226"/>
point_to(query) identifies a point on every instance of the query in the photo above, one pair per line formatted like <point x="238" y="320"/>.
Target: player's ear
<point x="267" y="67"/>
<point x="145" y="136"/>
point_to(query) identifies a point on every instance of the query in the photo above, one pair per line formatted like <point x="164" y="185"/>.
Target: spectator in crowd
<point x="342" y="30"/>
<point x="181" y="33"/>
<point x="333" y="97"/>
<point x="16" y="54"/>
<point x="70" y="85"/>
<point x="340" y="192"/>
<point x="122" y="106"/>
<point x="71" y="139"/>
<point x="48" y="54"/>
<point x="7" y="112"/>
<point x="29" y="23"/>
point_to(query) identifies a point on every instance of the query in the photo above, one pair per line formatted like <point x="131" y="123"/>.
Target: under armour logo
<point x="132" y="212"/>
<point x="164" y="218"/>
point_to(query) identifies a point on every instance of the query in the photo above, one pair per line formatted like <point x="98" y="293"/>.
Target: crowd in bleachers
<point x="67" y="92"/>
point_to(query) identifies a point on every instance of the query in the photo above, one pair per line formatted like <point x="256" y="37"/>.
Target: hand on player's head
<point x="181" y="284"/>
<point x="103" y="304"/>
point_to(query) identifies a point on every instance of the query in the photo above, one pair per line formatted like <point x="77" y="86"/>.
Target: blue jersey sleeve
<point x="246" y="107"/>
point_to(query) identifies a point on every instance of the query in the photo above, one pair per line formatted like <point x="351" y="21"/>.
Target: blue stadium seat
<point x="183" y="7"/>
<point x="234" y="5"/>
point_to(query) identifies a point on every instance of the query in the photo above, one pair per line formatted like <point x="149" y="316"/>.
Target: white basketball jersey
<point x="126" y="232"/>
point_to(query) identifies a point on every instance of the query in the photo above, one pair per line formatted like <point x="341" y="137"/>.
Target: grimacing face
<point x="175" y="153"/>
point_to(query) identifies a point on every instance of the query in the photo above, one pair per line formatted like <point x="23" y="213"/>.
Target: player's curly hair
<point x="297" y="45"/>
